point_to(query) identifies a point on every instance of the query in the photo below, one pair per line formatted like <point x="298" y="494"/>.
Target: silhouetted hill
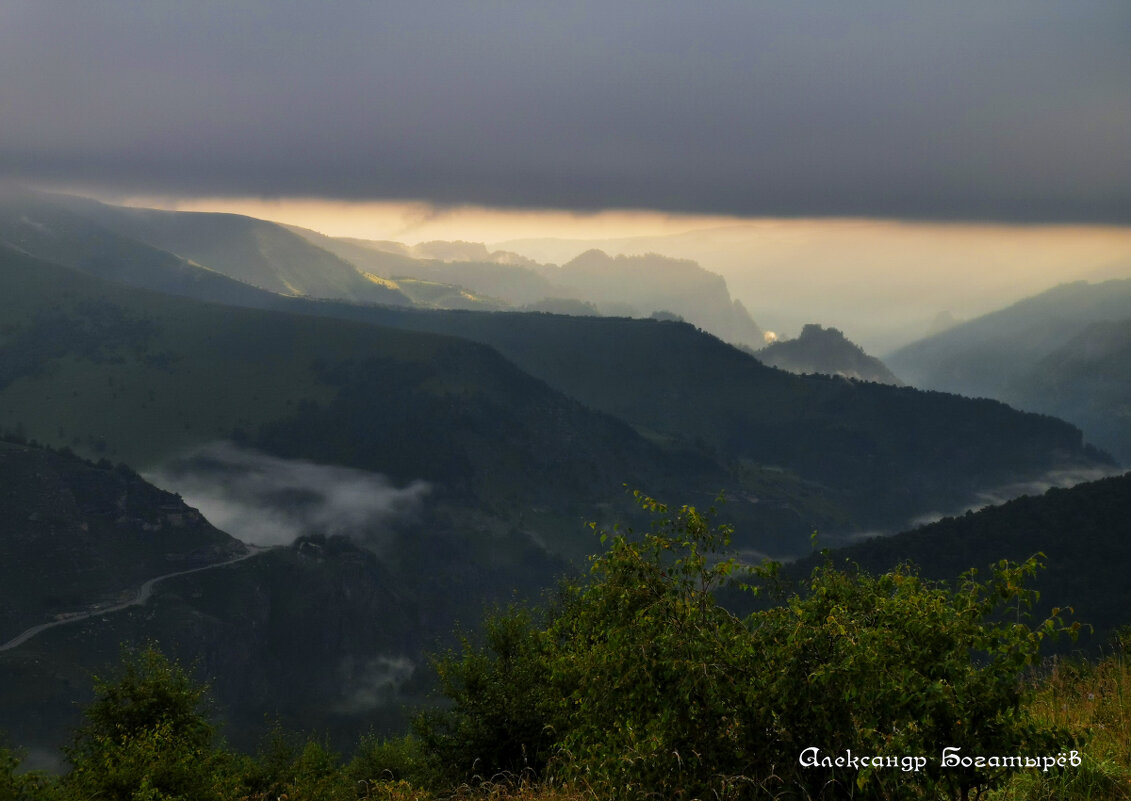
<point x="637" y="286"/>
<point x="1084" y="532"/>
<point x="1088" y="381"/>
<point x="45" y="227"/>
<point x="827" y="351"/>
<point x="255" y="252"/>
<point x="981" y="356"/>
<point x="1003" y="355"/>
<point x="626" y="286"/>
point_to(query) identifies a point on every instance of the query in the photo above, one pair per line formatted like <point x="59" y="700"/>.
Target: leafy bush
<point x="16" y="786"/>
<point x="501" y="703"/>
<point x="642" y="685"/>
<point x="891" y="666"/>
<point x="148" y="738"/>
<point x="656" y="679"/>
<point x="392" y="760"/>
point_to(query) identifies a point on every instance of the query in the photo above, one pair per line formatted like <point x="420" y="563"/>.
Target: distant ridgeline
<point x="1065" y="352"/>
<point x="138" y="376"/>
<point x="297" y="262"/>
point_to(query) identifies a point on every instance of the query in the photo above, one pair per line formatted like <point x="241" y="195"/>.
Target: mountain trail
<point x="143" y="595"/>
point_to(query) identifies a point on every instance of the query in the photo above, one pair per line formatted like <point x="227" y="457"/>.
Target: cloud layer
<point x="1004" y="110"/>
<point x="265" y="500"/>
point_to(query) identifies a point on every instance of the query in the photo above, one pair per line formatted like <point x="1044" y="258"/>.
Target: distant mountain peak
<point x="591" y="257"/>
<point x="638" y="285"/>
<point x="943" y="321"/>
<point x="828" y="351"/>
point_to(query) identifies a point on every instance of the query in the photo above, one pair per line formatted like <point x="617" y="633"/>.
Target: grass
<point x="1092" y="701"/>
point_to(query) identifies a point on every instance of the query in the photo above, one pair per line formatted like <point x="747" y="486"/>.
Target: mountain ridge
<point x="828" y="351"/>
<point x="1012" y="353"/>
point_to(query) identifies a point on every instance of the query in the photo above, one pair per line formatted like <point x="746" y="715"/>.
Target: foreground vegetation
<point x="637" y="684"/>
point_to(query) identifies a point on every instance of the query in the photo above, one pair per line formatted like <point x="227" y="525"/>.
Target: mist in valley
<point x="266" y="500"/>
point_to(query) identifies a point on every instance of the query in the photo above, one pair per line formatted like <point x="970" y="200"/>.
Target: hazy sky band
<point x="959" y="110"/>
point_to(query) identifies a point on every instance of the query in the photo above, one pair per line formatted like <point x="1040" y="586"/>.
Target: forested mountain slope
<point x="1084" y="533"/>
<point x="881" y="454"/>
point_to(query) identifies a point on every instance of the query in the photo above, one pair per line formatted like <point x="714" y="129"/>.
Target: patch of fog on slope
<point x="1063" y="478"/>
<point x="372" y="683"/>
<point x="265" y="500"/>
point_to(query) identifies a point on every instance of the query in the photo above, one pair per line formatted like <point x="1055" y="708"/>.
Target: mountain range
<point x="297" y="262"/>
<point x="400" y="466"/>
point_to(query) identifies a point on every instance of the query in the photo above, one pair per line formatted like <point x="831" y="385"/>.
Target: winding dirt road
<point x="143" y="595"/>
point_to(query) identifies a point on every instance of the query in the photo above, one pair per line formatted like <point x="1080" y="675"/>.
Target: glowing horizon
<point x="881" y="281"/>
<point x="413" y="222"/>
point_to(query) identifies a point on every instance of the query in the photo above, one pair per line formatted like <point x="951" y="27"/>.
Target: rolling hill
<point x="39" y="225"/>
<point x="137" y="376"/>
<point x="255" y="252"/>
<point x="292" y="261"/>
<point x="1086" y="380"/>
<point x="1040" y="354"/>
<point x="874" y="456"/>
<point x="82" y="534"/>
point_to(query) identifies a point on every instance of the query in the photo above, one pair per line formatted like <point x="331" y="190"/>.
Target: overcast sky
<point x="950" y="110"/>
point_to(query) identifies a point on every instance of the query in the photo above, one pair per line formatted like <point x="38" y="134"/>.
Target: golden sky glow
<point x="411" y="222"/>
<point x="880" y="281"/>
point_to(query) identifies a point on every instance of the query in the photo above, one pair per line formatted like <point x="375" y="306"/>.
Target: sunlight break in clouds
<point x="264" y="500"/>
<point x="413" y="222"/>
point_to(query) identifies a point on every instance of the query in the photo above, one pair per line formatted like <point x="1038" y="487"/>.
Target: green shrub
<point x="656" y="680"/>
<point x="392" y="760"/>
<point x="499" y="720"/>
<point x="642" y="685"/>
<point x="147" y="738"/>
<point x="290" y="766"/>
<point x="16" y="786"/>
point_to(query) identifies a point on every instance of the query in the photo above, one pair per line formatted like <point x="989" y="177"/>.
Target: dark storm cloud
<point x="1004" y="110"/>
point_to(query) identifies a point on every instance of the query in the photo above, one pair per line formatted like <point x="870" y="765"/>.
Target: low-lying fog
<point x="265" y="500"/>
